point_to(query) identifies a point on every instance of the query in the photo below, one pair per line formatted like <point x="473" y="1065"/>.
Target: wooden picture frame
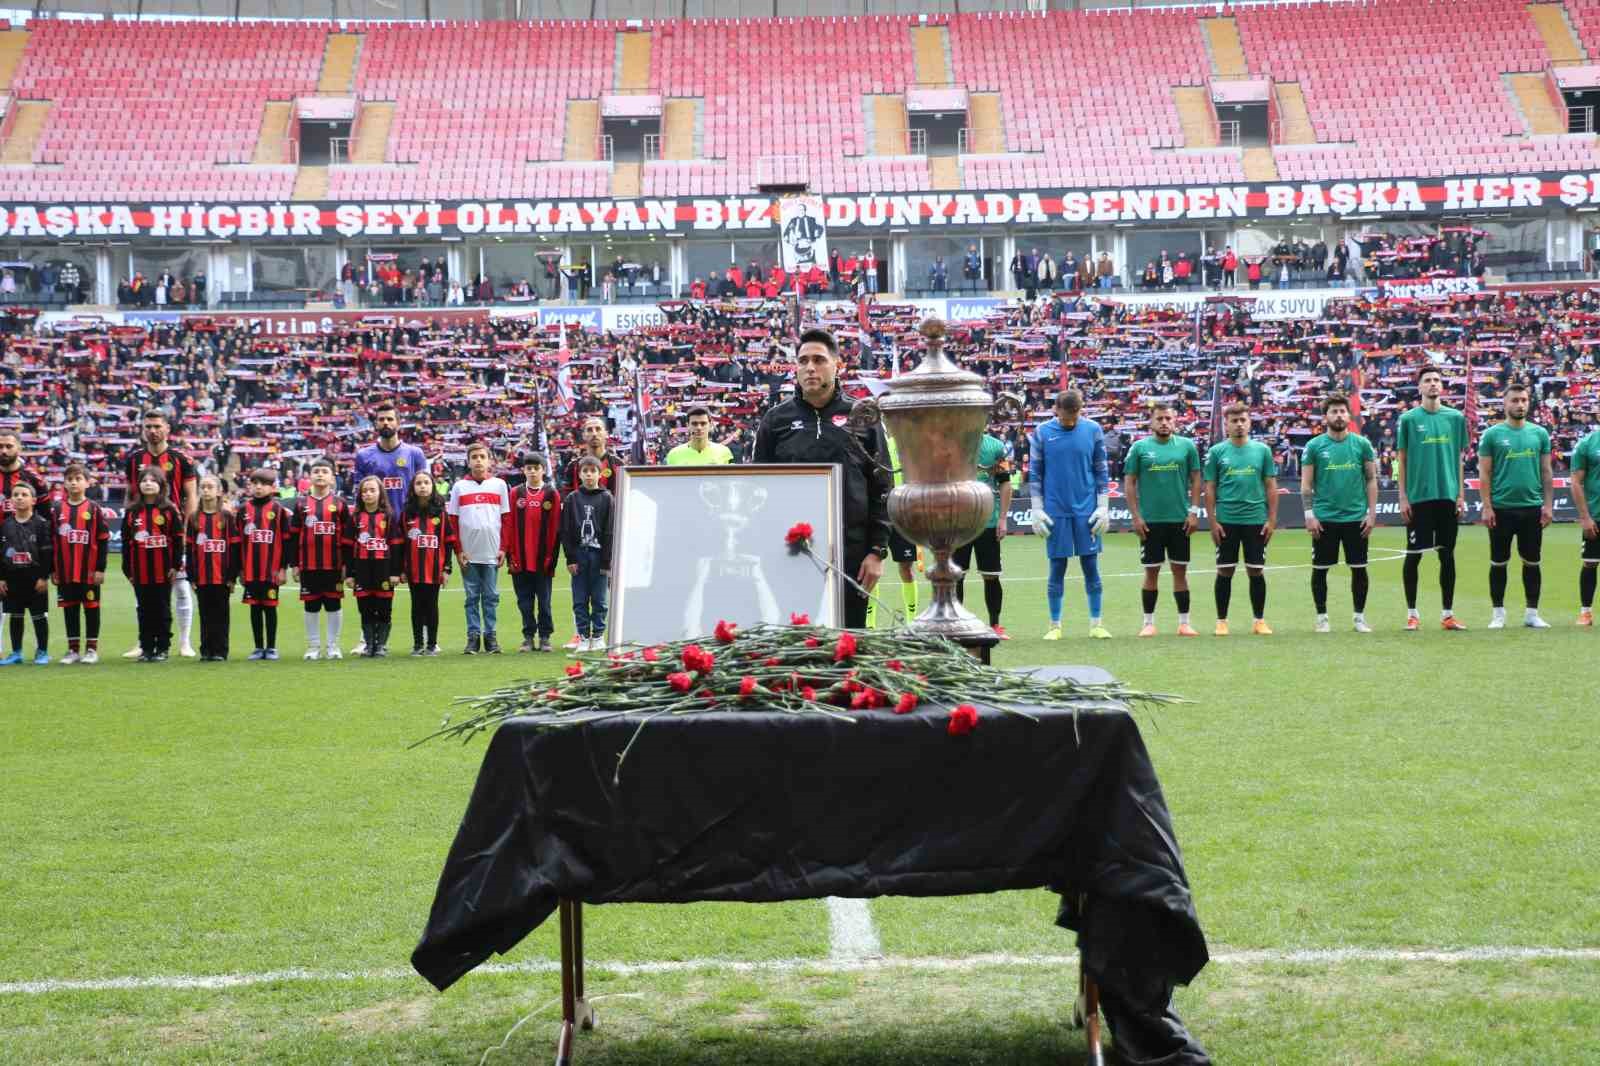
<point x="695" y="545"/>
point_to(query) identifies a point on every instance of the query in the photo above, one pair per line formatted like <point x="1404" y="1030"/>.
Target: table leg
<point x="585" y="1013"/>
<point x="1091" y="1017"/>
<point x="569" y="999"/>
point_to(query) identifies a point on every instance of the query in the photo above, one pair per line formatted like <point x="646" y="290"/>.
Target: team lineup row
<point x="1166" y="483"/>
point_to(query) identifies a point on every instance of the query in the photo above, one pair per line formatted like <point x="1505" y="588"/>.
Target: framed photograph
<point x="693" y="545"/>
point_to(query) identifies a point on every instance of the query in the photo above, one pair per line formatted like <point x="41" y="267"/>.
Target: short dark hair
<point x="699" y="409"/>
<point x="588" y="462"/>
<point x="1517" y="385"/>
<point x="1335" y="399"/>
<point x="264" y="475"/>
<point x="818" y="335"/>
<point x="479" y="446"/>
<point x="1429" y="369"/>
<point x="1237" y="407"/>
<point x="384" y="405"/>
<point x="72" y="470"/>
<point x="156" y="412"/>
<point x="1070" y="399"/>
<point x="530" y="458"/>
<point x="24" y="485"/>
<point x="1161" y="405"/>
<point x="321" y="460"/>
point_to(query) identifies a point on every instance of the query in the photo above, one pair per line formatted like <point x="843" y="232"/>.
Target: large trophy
<point x="937" y="415"/>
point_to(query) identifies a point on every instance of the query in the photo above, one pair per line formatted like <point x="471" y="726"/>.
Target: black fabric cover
<point x="764" y="806"/>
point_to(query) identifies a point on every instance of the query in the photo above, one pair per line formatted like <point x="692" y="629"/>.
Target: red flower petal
<point x="845" y="648"/>
<point x="680" y="682"/>
<point x="813" y="642"/>
<point x="747" y="686"/>
<point x="963" y="720"/>
<point x="725" y="632"/>
<point x="798" y="533"/>
<point x="799" y="619"/>
<point x="650" y="655"/>
<point x="906" y="703"/>
<point x="774" y="661"/>
<point x="895" y="664"/>
<point x="808" y="693"/>
<point x="575" y="670"/>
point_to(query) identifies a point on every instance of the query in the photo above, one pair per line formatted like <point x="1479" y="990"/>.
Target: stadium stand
<point x="245" y="398"/>
<point x="176" y="111"/>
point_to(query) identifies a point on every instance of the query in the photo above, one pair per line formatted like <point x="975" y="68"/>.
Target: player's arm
<point x="1486" y="484"/>
<point x="1579" y="473"/>
<point x="1130" y="489"/>
<point x="1548" y="473"/>
<point x="1461" y="474"/>
<point x="1400" y="472"/>
<point x="1005" y="506"/>
<point x="1369" y="470"/>
<point x="1308" y="493"/>
<point x="1270" y="483"/>
<point x="1211" y="510"/>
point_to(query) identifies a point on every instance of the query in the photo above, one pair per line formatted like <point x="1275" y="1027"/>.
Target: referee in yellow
<point x="699" y="449"/>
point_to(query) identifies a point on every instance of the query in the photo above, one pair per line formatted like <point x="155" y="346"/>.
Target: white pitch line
<point x="851" y="935"/>
<point x="1313" y="956"/>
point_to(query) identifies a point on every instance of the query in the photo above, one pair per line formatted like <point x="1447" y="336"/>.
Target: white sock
<point x="1149" y="619"/>
<point x="1412" y="613"/>
<point x="1359" y="616"/>
<point x="1183" y="618"/>
<point x="1531" y="612"/>
<point x="183" y="596"/>
<point x="335" y="625"/>
<point x="313" y="638"/>
<point x="1321" y="618"/>
<point x="1498" y="612"/>
<point x="1448" y="613"/>
<point x="1094" y="622"/>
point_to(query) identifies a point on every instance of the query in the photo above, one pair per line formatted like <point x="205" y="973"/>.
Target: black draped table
<point x="758" y="806"/>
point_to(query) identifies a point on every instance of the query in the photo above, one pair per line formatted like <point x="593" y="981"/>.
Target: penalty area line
<point x="1310" y="956"/>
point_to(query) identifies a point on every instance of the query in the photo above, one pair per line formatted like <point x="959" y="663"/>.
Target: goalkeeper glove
<point x="1041" y="521"/>
<point x="1100" y="521"/>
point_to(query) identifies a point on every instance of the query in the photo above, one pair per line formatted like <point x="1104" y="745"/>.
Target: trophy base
<point x="955" y="623"/>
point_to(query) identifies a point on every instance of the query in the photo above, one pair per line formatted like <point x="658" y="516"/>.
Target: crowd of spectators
<point x="243" y="399"/>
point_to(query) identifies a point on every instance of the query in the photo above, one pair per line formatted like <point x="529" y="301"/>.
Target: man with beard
<point x="1339" y="479"/>
<point x="390" y="461"/>
<point x="183" y="485"/>
<point x="596" y="443"/>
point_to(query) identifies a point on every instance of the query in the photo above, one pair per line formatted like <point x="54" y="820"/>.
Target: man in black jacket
<point x="814" y="427"/>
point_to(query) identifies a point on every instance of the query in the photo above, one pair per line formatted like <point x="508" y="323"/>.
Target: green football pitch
<point x="1391" y="840"/>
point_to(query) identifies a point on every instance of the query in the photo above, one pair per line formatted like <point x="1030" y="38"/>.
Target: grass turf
<point x="1387" y="791"/>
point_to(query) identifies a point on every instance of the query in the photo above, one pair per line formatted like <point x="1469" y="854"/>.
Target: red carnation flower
<point x="808" y="693"/>
<point x="859" y="701"/>
<point x="747" y="687"/>
<point x="774" y="661"/>
<point x="799" y="619"/>
<point x="799" y="536"/>
<point x="552" y="694"/>
<point x="575" y="670"/>
<point x="698" y="659"/>
<point x="906" y="703"/>
<point x="725" y="632"/>
<point x="845" y="648"/>
<point x="680" y="682"/>
<point x="895" y="664"/>
<point x="650" y="655"/>
<point x="813" y="642"/>
<point x="963" y="720"/>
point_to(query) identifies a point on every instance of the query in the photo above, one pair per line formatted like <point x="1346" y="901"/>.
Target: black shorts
<point x="1433" y="524"/>
<point x="260" y="594"/>
<point x="1165" y="541"/>
<point x="901" y="550"/>
<point x="23" y="598"/>
<point x="1520" y="524"/>
<point x="1247" y="536"/>
<point x="78" y="595"/>
<point x="319" y="585"/>
<point x="1591" y="550"/>
<point x="986" y="548"/>
<point x="1337" y="535"/>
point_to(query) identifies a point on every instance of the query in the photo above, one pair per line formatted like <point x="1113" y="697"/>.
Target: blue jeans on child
<point x="481" y="581"/>
<point x="534" y="589"/>
<point x="589" y="594"/>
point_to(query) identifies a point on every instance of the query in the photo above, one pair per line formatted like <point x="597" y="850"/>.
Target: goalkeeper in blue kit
<point x="1070" y="482"/>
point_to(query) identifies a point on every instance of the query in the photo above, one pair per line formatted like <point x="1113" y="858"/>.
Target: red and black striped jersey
<point x="371" y="535"/>
<point x="430" y="539"/>
<point x="213" y="557"/>
<point x="152" y="542"/>
<point x="264" y="531"/>
<point x="318" y="527"/>
<point x="535" y="530"/>
<point x="178" y="468"/>
<point x="82" y="535"/>
<point x="41" y="490"/>
<point x="610" y="463"/>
